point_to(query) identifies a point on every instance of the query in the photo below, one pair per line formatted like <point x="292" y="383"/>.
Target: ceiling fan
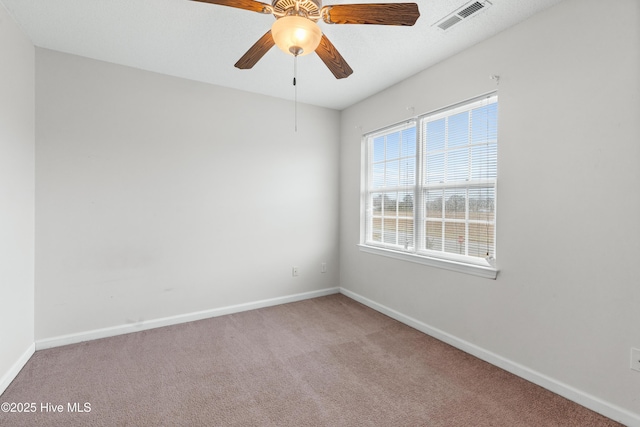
<point x="295" y="30"/>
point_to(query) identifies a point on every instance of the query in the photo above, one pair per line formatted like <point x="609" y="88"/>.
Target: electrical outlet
<point x="323" y="267"/>
<point x="635" y="359"/>
<point x="295" y="271"/>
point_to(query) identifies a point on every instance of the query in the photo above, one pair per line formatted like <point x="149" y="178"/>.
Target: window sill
<point x="475" y="270"/>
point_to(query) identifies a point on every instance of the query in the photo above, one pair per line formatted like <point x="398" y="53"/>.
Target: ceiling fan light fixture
<point x="296" y="35"/>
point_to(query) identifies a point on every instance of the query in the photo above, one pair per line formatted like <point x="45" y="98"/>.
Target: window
<point x="430" y="188"/>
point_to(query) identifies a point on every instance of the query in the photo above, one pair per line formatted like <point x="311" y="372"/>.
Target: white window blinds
<point x="392" y="187"/>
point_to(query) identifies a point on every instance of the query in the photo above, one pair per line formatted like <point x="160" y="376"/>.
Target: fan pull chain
<point x="295" y="86"/>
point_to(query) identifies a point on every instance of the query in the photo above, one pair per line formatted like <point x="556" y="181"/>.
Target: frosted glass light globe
<point x="296" y="35"/>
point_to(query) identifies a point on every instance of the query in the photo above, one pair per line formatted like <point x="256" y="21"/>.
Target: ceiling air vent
<point x="463" y="12"/>
<point x="470" y="10"/>
<point x="449" y="22"/>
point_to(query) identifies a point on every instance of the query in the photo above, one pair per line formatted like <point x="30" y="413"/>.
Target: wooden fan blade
<point x="252" y="5"/>
<point x="256" y="52"/>
<point x="332" y="59"/>
<point x="372" y="13"/>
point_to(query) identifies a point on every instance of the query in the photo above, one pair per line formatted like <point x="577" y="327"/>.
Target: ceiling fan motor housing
<point x="309" y="8"/>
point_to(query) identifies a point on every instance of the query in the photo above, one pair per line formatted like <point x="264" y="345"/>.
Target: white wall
<point x="158" y="196"/>
<point x="566" y="304"/>
<point x="16" y="198"/>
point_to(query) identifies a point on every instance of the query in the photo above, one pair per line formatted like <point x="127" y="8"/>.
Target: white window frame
<point x="483" y="267"/>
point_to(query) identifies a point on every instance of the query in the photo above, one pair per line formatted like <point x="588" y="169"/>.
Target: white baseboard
<point x="596" y="404"/>
<point x="15" y="369"/>
<point x="174" y="320"/>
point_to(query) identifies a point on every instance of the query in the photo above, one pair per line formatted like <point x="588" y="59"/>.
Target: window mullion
<point x="445" y="181"/>
<point x="369" y="193"/>
<point x="466" y="221"/>
<point x="467" y="239"/>
<point x="418" y="191"/>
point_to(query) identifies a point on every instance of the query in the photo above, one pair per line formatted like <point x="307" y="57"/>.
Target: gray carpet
<point x="328" y="361"/>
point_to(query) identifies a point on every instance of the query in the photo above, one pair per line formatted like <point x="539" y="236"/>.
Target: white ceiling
<point x="200" y="41"/>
